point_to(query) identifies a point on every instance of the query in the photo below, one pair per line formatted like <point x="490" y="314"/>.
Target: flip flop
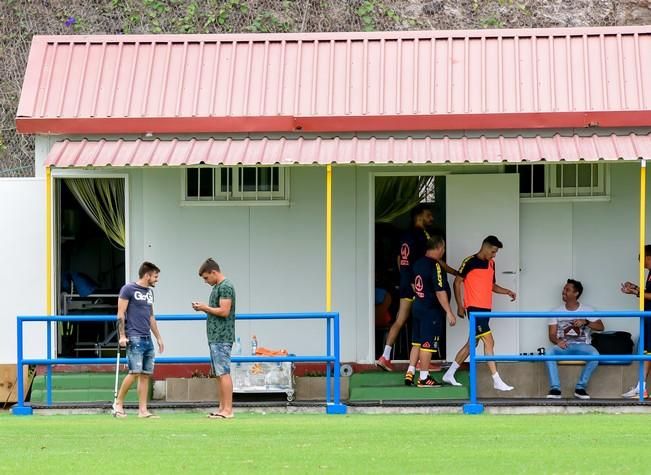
<point x="148" y="416"/>
<point x="117" y="413"/>
<point x="216" y="415"/>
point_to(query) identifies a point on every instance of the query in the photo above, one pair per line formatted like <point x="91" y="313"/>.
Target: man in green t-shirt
<point x="220" y="326"/>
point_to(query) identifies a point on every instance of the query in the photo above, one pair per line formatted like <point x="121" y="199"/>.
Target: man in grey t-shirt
<point x="136" y="322"/>
<point x="571" y="336"/>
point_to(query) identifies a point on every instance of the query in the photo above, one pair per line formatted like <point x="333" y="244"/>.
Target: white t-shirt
<point x="566" y="331"/>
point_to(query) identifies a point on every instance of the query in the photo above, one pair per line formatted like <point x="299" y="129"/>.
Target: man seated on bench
<point x="572" y="337"/>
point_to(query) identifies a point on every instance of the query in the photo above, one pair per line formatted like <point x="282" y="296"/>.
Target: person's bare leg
<point x="461" y="356"/>
<point x="413" y="355"/>
<point x="219" y="395"/>
<point x="489" y="346"/>
<point x="404" y="311"/>
<point x="384" y="361"/>
<point x="489" y="350"/>
<point x="226" y="393"/>
<point x="122" y="393"/>
<point x="143" y="393"/>
<point x="425" y="359"/>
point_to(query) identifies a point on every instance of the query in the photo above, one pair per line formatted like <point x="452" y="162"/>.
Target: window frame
<point x="235" y="197"/>
<point x="553" y="191"/>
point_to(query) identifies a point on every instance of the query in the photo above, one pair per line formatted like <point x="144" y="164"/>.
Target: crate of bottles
<point x="263" y="378"/>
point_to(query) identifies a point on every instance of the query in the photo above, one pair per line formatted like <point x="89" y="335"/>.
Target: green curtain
<point x="396" y="195"/>
<point x="103" y="201"/>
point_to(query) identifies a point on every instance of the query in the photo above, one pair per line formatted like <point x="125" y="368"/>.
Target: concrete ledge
<point x="313" y="388"/>
<point x="531" y="380"/>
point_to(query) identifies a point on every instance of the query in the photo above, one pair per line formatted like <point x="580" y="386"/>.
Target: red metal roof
<point x="389" y="81"/>
<point x="265" y="151"/>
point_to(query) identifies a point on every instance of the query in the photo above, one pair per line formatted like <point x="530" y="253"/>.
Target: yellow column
<point x="48" y="240"/>
<point x="329" y="238"/>
<point x="642" y="229"/>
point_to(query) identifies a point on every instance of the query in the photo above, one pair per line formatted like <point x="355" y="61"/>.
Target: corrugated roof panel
<point x="338" y="75"/>
<point x="302" y="151"/>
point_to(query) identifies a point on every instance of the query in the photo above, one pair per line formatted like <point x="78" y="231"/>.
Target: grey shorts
<point x="220" y="358"/>
<point x="140" y="355"/>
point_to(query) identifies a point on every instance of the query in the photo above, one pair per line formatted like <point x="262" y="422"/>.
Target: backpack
<point x="613" y="343"/>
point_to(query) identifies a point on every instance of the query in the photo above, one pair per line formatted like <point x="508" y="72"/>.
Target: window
<point x="237" y="184"/>
<point x="570" y="181"/>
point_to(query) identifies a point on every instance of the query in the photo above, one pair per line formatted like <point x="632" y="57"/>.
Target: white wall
<point x="22" y="274"/>
<point x="594" y="242"/>
<point x="273" y="254"/>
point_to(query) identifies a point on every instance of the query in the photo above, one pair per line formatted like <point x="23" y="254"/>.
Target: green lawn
<point x="293" y="443"/>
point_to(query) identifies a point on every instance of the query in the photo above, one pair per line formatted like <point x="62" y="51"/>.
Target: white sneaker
<point x="449" y="379"/>
<point x="502" y="386"/>
<point x="635" y="392"/>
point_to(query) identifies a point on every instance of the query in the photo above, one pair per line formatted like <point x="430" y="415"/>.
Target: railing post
<point x="19" y="409"/>
<point x="640" y="351"/>
<point x="473" y="407"/>
<point x="328" y="354"/>
<point x="48" y="377"/>
<point x="337" y="407"/>
<point x="332" y="358"/>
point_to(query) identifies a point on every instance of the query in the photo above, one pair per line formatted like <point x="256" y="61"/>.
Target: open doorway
<point x="395" y="198"/>
<point x="91" y="261"/>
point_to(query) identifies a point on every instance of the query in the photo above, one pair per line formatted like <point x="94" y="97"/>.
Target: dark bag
<point x="613" y="343"/>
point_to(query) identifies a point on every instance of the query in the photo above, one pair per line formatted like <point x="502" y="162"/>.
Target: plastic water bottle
<point x="254" y="345"/>
<point x="237" y="348"/>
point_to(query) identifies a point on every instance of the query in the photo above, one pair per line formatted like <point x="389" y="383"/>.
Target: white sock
<point x="452" y="369"/>
<point x="411" y="369"/>
<point x="496" y="377"/>
<point x="424" y="374"/>
<point x="387" y="352"/>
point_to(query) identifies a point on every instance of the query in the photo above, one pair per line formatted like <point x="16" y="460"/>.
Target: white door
<point x="22" y="273"/>
<point x="477" y="206"/>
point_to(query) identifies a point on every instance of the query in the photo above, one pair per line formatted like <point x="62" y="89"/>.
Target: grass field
<point x="307" y="443"/>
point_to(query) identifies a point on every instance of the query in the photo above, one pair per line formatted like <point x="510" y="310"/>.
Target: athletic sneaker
<point x="409" y="378"/>
<point x="580" y="393"/>
<point x="428" y="382"/>
<point x="634" y="392"/>
<point x="554" y="394"/>
<point x="384" y="363"/>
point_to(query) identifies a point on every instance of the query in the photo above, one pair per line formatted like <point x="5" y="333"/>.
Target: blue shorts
<point x="481" y="323"/>
<point x="426" y="328"/>
<point x="140" y="355"/>
<point x="220" y="358"/>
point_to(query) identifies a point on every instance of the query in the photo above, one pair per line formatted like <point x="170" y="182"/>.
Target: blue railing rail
<point x="474" y="407"/>
<point x="332" y="358"/>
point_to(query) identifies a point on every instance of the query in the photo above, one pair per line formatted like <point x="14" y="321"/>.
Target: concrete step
<point x="80" y="395"/>
<point x="78" y="380"/>
<point x="79" y="387"/>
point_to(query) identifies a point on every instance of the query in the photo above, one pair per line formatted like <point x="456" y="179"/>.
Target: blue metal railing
<point x="332" y="358"/>
<point x="473" y="407"/>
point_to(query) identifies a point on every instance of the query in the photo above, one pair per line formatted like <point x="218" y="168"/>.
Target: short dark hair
<point x="434" y="242"/>
<point x="147" y="267"/>
<point x="492" y="241"/>
<point x="419" y="209"/>
<point x="209" y="265"/>
<point x="578" y="286"/>
<point x="647" y="250"/>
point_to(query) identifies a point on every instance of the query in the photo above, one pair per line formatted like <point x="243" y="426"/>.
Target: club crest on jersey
<point x="418" y="286"/>
<point x="404" y="254"/>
